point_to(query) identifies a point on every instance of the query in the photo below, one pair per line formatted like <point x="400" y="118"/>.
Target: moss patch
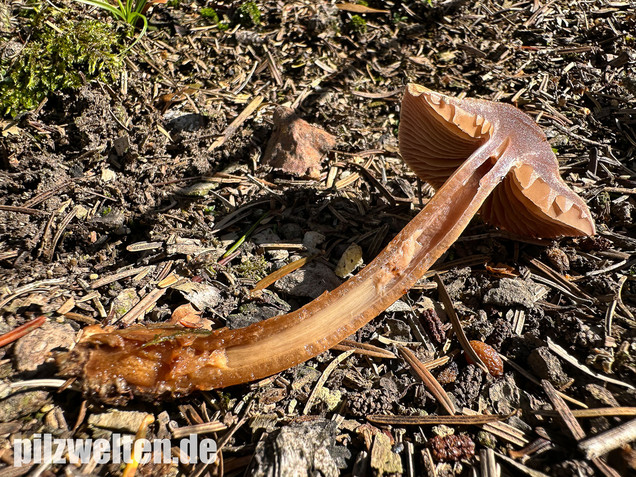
<point x="60" y="53"/>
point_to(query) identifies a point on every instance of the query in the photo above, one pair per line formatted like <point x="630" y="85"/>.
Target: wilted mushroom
<point x="478" y="153"/>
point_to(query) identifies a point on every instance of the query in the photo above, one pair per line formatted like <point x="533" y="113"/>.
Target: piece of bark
<point x="296" y="147"/>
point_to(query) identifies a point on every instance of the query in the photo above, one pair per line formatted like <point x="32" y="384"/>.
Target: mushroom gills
<point x="437" y="136"/>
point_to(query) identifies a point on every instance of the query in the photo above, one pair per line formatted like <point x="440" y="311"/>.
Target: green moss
<point x="248" y="14"/>
<point x="210" y="14"/>
<point x="253" y="268"/>
<point x="358" y="24"/>
<point x="61" y="53"/>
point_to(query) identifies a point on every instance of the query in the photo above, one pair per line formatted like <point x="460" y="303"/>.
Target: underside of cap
<point x="528" y="205"/>
<point x="437" y="135"/>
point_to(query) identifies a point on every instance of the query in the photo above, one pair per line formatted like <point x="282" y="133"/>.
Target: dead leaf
<point x="185" y="315"/>
<point x="296" y="147"/>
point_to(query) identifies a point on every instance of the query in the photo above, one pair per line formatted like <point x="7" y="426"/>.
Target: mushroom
<point x="479" y="154"/>
<point x="439" y="133"/>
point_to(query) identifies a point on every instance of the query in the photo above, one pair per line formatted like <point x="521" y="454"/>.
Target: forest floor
<point x="136" y="188"/>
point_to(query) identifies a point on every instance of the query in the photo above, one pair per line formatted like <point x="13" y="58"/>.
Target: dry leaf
<point x="296" y="147"/>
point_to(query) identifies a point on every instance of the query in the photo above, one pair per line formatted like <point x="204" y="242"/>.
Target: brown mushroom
<point x="439" y="133"/>
<point x="478" y="153"/>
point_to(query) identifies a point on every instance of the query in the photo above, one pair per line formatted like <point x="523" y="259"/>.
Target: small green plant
<point x="210" y="14"/>
<point x="130" y="12"/>
<point x="248" y="14"/>
<point x="253" y="267"/>
<point x="358" y="24"/>
<point x="399" y="18"/>
<point x="61" y="53"/>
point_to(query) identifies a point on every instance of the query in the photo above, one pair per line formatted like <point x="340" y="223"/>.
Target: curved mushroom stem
<point x="156" y="361"/>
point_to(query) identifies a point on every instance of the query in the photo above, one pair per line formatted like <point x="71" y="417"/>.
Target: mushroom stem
<point x="156" y="361"/>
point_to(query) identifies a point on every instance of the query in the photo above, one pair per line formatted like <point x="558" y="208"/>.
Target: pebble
<point x="310" y="281"/>
<point x="511" y="292"/>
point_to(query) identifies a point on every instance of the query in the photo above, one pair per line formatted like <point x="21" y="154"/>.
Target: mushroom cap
<point x="438" y="133"/>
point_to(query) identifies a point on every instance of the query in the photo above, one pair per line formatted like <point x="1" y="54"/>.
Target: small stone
<point x="511" y="292"/>
<point x="202" y="295"/>
<point x="265" y="236"/>
<point x="296" y="147"/>
<point x="291" y="231"/>
<point x="399" y="306"/>
<point x="108" y="175"/>
<point x="81" y="212"/>
<point x="177" y="121"/>
<point x="310" y="281"/>
<point x="304" y="375"/>
<point x="121" y="144"/>
<point x="547" y="366"/>
<point x="503" y="395"/>
<point x="311" y="240"/>
<point x="397" y="329"/>
<point x="277" y="255"/>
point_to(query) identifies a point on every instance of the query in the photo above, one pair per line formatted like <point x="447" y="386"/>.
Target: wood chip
<point x="204" y="428"/>
<point x="563" y="411"/>
<point x="117" y="276"/>
<point x="143" y="305"/>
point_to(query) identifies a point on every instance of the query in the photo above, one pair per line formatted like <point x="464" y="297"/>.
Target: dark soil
<point x="94" y="174"/>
